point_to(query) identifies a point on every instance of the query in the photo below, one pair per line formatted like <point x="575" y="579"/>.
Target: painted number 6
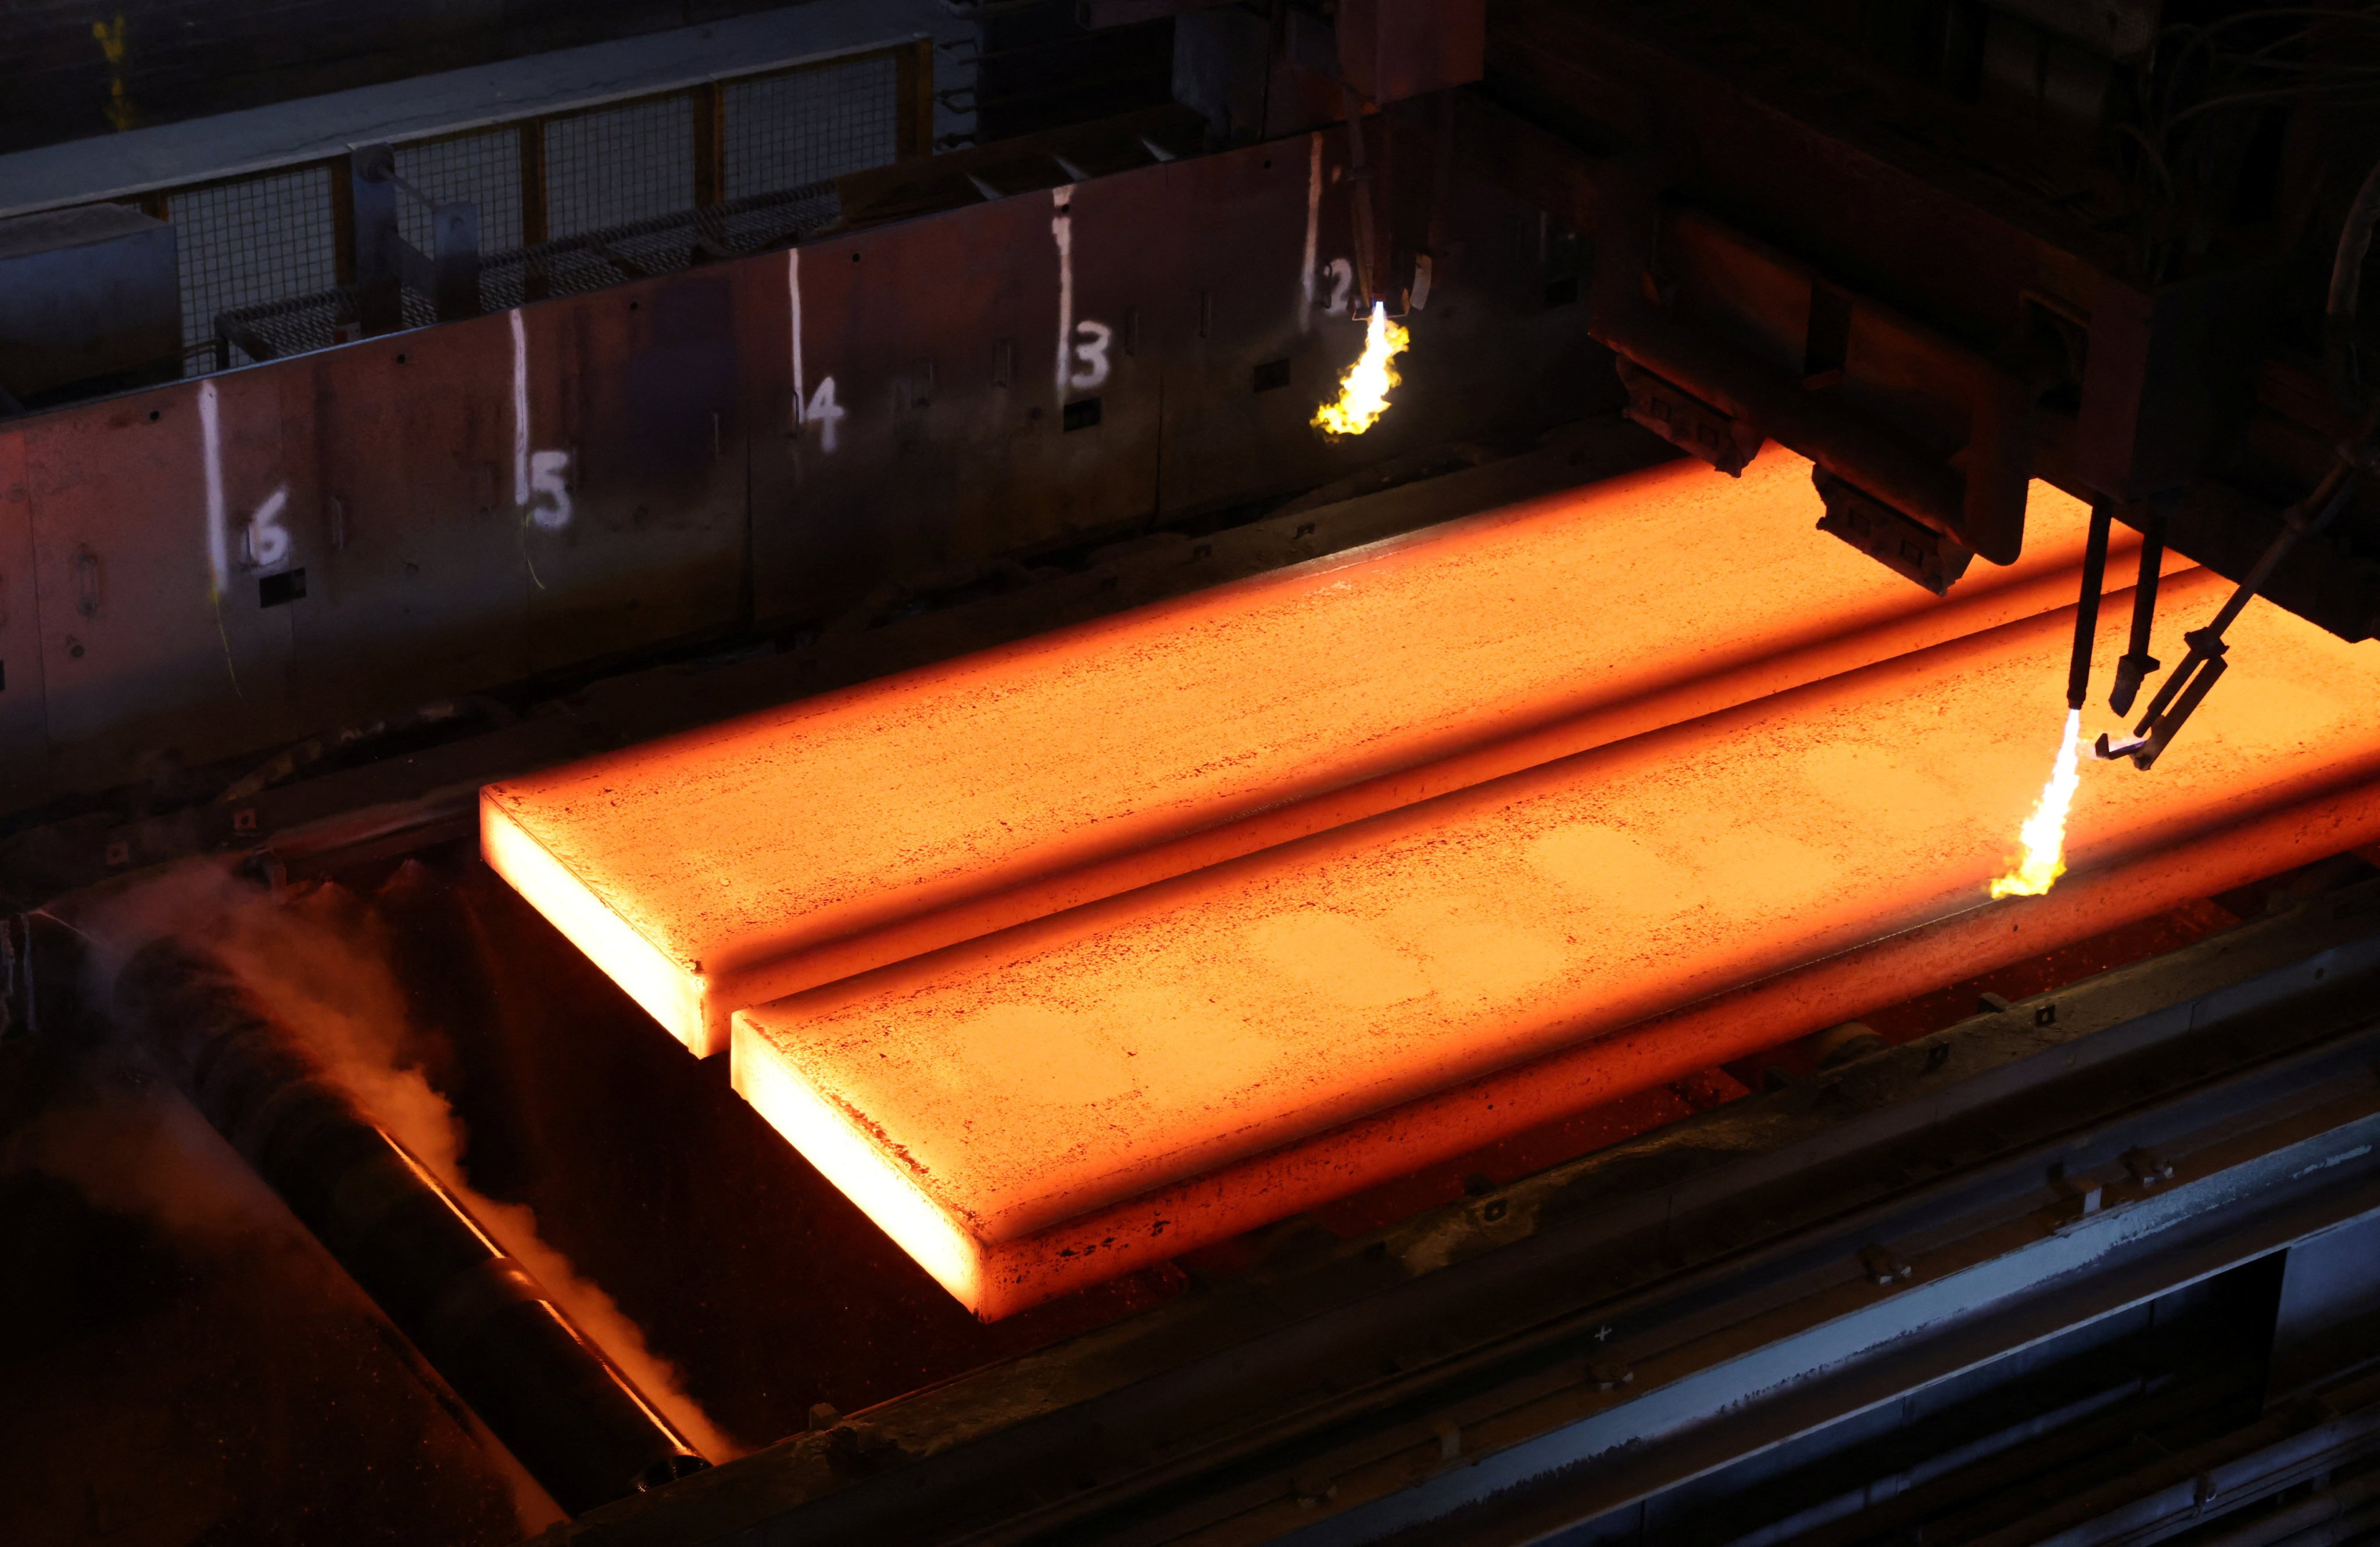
<point x="268" y="540"/>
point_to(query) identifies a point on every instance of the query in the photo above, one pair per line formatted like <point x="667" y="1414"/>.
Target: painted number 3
<point x="1090" y="354"/>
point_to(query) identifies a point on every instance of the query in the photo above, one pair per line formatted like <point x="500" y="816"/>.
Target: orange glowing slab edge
<point x="748" y="860"/>
<point x="1045" y="1108"/>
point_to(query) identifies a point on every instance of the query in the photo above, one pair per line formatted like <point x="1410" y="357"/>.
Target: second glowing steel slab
<point x="1059" y="1102"/>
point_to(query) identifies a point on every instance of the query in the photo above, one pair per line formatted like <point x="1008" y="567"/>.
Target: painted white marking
<point x="824" y="412"/>
<point x="218" y="533"/>
<point x="534" y="473"/>
<point x="794" y="295"/>
<point x="546" y="473"/>
<point x="1313" y="224"/>
<point x="1085" y="342"/>
<point x="520" y="410"/>
<point x="818" y="408"/>
<point x="1343" y="284"/>
<point x="1061" y="229"/>
<point x="1091" y="349"/>
<point x="268" y="540"/>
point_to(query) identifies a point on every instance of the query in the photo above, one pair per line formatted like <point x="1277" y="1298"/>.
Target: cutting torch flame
<point x="1364" y="390"/>
<point x="2044" y="833"/>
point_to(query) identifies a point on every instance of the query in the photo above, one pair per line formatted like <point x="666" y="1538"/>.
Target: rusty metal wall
<point x="24" y="750"/>
<point x="220" y="566"/>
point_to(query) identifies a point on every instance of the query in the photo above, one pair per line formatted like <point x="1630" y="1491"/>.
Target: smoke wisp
<point x="320" y="962"/>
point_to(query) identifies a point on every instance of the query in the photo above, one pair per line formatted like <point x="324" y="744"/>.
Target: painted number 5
<point x="549" y="505"/>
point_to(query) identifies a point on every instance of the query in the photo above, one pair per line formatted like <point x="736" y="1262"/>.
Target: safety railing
<point x="564" y="202"/>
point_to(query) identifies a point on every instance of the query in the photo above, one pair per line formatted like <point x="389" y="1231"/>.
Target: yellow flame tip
<point x="1364" y="390"/>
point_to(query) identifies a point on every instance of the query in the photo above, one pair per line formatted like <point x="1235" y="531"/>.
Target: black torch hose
<point x="2086" y="610"/>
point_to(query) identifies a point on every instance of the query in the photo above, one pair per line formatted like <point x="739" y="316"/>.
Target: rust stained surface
<point x="763" y="856"/>
<point x="1050" y="1106"/>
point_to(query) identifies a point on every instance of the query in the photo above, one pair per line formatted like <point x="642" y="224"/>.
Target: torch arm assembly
<point x="2136" y="664"/>
<point x="2204" y="665"/>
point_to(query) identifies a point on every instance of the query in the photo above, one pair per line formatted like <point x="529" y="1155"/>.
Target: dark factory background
<point x="401" y="399"/>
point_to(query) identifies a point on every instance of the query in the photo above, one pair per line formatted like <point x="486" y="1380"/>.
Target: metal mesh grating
<point x="484" y="169"/>
<point x="252" y="242"/>
<point x="587" y="262"/>
<point x="620" y="166"/>
<point x="261" y="254"/>
<point x="785" y="130"/>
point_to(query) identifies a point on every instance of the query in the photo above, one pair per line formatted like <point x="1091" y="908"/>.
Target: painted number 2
<point x="1342" y="280"/>
<point x="1090" y="354"/>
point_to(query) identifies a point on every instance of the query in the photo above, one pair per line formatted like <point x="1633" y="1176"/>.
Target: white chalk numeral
<point x="824" y="412"/>
<point x="268" y="540"/>
<point x="546" y="474"/>
<point x="1342" y="281"/>
<point x="1090" y="353"/>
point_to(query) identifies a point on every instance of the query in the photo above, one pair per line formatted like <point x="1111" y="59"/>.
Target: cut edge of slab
<point x="850" y="1152"/>
<point x="669" y="993"/>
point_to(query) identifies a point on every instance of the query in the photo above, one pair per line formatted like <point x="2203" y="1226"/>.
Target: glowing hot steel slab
<point x="758" y="857"/>
<point x="1034" y="1110"/>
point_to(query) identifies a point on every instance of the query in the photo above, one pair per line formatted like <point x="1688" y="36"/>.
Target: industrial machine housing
<point x="2073" y="1245"/>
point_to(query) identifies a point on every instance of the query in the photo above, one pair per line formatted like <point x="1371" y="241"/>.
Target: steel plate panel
<point x="24" y="737"/>
<point x="1494" y="352"/>
<point x="933" y="421"/>
<point x="420" y="589"/>
<point x="155" y="652"/>
<point x="1252" y="302"/>
<point x="635" y="388"/>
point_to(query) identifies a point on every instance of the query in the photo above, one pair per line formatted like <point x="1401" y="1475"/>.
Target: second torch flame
<point x="2044" y="834"/>
<point x="1364" y="390"/>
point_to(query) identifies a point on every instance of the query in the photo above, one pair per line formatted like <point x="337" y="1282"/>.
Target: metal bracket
<point x="1686" y="421"/>
<point x="1904" y="545"/>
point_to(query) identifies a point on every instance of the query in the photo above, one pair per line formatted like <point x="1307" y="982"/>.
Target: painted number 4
<point x="824" y="412"/>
